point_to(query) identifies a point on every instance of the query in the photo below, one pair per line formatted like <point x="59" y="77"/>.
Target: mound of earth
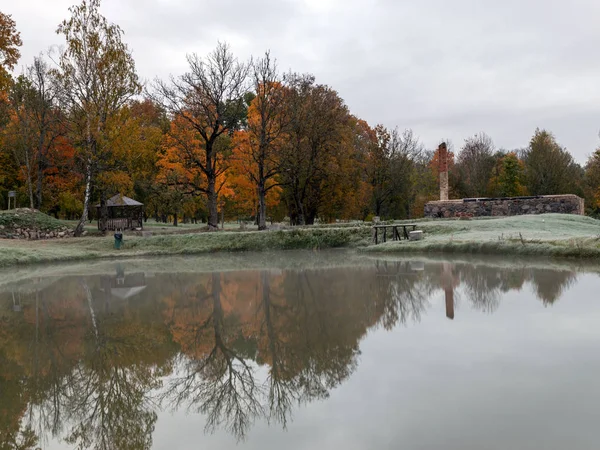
<point x="25" y="223"/>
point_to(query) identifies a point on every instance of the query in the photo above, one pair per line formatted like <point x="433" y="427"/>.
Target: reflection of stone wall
<point x="563" y="204"/>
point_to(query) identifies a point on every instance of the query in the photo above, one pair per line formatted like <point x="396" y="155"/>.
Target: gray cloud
<point x="445" y="69"/>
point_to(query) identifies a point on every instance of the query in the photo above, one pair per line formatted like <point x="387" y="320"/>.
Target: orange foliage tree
<point x="181" y="167"/>
<point x="257" y="148"/>
<point x="210" y="101"/>
<point x="10" y="41"/>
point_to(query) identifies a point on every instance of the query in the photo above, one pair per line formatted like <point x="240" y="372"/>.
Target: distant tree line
<point x="230" y="139"/>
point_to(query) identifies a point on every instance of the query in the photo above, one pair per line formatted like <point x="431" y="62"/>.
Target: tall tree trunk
<point x="213" y="212"/>
<point x="300" y="216"/>
<point x="262" y="206"/>
<point x="86" y="200"/>
<point x="88" y="180"/>
<point x="40" y="164"/>
<point x="29" y="180"/>
<point x="103" y="219"/>
<point x="175" y="222"/>
<point x="38" y="192"/>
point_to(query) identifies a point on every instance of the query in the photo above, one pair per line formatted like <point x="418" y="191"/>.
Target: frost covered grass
<point x="544" y="236"/>
<point x="30" y="252"/>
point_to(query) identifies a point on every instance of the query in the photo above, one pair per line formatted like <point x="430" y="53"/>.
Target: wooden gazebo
<point x="124" y="213"/>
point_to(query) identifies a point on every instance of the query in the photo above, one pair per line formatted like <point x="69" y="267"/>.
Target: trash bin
<point x="118" y="240"/>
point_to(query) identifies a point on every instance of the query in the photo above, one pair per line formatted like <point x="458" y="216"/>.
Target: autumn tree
<point x="210" y="100"/>
<point x="10" y="41"/>
<point x="63" y="186"/>
<point x="592" y="182"/>
<point x="319" y="120"/>
<point x="36" y="124"/>
<point x="424" y="183"/>
<point x="135" y="138"/>
<point x="9" y="172"/>
<point x="244" y="200"/>
<point x="97" y="78"/>
<point x="550" y="168"/>
<point x="147" y="124"/>
<point x="378" y="164"/>
<point x="257" y="147"/>
<point x="509" y="180"/>
<point x="344" y="192"/>
<point x="474" y="165"/>
<point x="175" y="180"/>
<point x="390" y="167"/>
<point x="18" y="135"/>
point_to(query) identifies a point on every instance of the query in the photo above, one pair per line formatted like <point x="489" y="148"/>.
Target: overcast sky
<point x="446" y="69"/>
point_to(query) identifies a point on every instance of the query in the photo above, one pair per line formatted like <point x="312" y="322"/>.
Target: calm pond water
<point x="300" y="351"/>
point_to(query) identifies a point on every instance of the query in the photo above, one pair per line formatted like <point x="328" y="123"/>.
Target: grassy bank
<point x="14" y="252"/>
<point x="553" y="235"/>
<point x="547" y="235"/>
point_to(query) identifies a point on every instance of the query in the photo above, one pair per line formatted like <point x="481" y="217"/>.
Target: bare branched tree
<point x="267" y="122"/>
<point x="475" y="163"/>
<point x="210" y="98"/>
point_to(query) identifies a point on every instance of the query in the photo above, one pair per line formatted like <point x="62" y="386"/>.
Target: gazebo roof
<point x="121" y="200"/>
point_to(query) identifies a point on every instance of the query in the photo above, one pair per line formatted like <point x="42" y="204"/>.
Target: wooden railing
<point x="121" y="224"/>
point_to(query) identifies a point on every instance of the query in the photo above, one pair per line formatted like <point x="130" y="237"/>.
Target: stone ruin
<point x="508" y="206"/>
<point x="504" y="206"/>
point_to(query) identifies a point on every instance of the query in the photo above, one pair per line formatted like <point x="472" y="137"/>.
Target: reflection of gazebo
<point x="124" y="286"/>
<point x="124" y="213"/>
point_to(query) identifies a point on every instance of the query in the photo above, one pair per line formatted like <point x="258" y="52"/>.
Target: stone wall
<point x="27" y="233"/>
<point x="513" y="206"/>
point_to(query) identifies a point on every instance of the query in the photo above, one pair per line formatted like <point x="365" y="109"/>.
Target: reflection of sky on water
<point x="514" y="368"/>
<point x="524" y="377"/>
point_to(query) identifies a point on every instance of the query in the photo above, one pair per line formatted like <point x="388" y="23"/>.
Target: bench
<point x="398" y="232"/>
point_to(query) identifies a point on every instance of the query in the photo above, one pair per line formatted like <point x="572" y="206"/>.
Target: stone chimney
<point x="443" y="161"/>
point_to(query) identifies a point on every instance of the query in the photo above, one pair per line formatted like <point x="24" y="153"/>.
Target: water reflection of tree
<point x="303" y="339"/>
<point x="98" y="397"/>
<point x="305" y="327"/>
<point x="404" y="292"/>
<point x="549" y="285"/>
<point x="237" y="347"/>
<point x="107" y="398"/>
<point x="484" y="285"/>
<point x="219" y="383"/>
